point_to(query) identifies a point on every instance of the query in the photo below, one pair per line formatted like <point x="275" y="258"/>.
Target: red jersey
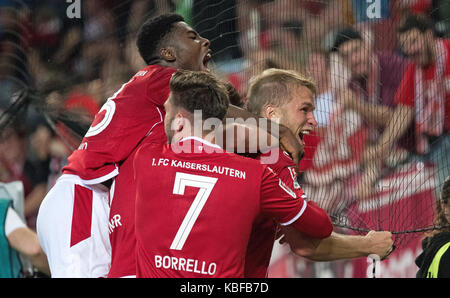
<point x="406" y="92"/>
<point x="264" y="229"/>
<point x="123" y="121"/>
<point x="190" y="224"/>
<point x="121" y="216"/>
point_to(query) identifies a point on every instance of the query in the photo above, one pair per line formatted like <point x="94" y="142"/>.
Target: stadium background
<point x="59" y="62"/>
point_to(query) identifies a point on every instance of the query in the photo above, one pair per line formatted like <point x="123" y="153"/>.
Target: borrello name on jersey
<point x="194" y="211"/>
<point x="122" y="122"/>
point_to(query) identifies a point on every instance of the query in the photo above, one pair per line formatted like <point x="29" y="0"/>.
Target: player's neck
<point x="164" y="63"/>
<point x="203" y="139"/>
<point x="206" y="135"/>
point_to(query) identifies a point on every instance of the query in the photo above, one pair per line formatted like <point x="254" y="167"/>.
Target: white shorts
<point x="72" y="227"/>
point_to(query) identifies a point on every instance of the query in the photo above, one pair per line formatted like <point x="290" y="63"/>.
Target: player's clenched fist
<point x="381" y="243"/>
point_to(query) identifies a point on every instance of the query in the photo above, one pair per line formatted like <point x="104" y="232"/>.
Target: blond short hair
<point x="274" y="86"/>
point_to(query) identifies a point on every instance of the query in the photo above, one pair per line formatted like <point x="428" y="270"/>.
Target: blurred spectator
<point x="17" y="165"/>
<point x="441" y="16"/>
<point x="374" y="79"/>
<point x="13" y="71"/>
<point x="12" y="153"/>
<point x="282" y="33"/>
<point x="98" y="21"/>
<point x="334" y="15"/>
<point x="75" y="111"/>
<point x="416" y="6"/>
<point x="423" y="98"/>
<point x="318" y="66"/>
<point x="288" y="43"/>
<point x="375" y="76"/>
<point x="253" y="20"/>
<point x="437" y="10"/>
<point x="55" y="41"/>
<point x="255" y="63"/>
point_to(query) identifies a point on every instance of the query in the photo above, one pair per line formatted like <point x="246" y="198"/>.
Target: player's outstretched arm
<point x="399" y="122"/>
<point x="377" y="114"/>
<point x="338" y="246"/>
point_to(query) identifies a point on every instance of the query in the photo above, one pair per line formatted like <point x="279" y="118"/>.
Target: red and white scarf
<point x="429" y="108"/>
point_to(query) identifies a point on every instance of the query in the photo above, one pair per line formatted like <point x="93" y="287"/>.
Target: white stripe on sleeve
<point x="297" y="216"/>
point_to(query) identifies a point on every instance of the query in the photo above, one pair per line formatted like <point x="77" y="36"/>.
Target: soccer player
<point x="189" y="224"/>
<point x="289" y="97"/>
<point x="121" y="220"/>
<point x="72" y="223"/>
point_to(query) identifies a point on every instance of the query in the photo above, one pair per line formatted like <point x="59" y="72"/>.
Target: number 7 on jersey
<point x="205" y="185"/>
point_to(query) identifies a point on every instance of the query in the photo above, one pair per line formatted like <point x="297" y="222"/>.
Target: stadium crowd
<point x="358" y="61"/>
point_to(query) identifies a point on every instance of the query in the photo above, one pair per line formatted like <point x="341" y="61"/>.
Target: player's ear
<point x="167" y="54"/>
<point x="178" y="122"/>
<point x="270" y="112"/>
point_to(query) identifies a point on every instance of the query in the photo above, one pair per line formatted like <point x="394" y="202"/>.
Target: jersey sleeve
<point x="158" y="91"/>
<point x="278" y="200"/>
<point x="124" y="120"/>
<point x="405" y="91"/>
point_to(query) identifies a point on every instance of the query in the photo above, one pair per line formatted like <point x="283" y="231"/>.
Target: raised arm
<point x="377" y="114"/>
<point x="399" y="122"/>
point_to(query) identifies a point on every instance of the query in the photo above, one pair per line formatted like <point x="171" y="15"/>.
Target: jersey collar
<point x="201" y="141"/>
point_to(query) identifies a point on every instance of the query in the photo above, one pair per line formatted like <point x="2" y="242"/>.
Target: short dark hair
<point x="416" y="22"/>
<point x="343" y="36"/>
<point x="198" y="90"/>
<point x="152" y="32"/>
